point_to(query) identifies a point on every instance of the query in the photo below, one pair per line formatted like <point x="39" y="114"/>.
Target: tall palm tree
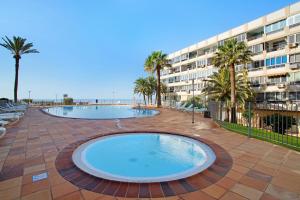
<point x="151" y="85"/>
<point x="153" y="64"/>
<point x="17" y="46"/>
<point x="219" y="88"/>
<point x="141" y="87"/>
<point x="229" y="55"/>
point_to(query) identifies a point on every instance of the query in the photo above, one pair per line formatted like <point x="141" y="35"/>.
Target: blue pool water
<point x="143" y="157"/>
<point x="99" y="112"/>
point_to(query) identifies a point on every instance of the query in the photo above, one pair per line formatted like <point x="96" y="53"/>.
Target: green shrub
<point x="68" y="101"/>
<point x="27" y="100"/>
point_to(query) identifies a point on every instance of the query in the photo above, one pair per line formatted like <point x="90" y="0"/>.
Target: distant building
<point x="275" y="72"/>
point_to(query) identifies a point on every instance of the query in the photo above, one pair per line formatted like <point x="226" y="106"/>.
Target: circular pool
<point x="99" y="112"/>
<point x="143" y="157"/>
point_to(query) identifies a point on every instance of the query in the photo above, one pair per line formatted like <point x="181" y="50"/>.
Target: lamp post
<point x="193" y="100"/>
<point x="29" y="91"/>
<point x="193" y="86"/>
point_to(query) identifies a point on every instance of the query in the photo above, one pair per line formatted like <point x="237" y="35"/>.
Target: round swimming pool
<point x="143" y="157"/>
<point x="99" y="112"/>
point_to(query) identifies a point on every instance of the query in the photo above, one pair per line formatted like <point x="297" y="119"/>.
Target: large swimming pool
<point x="143" y="157"/>
<point x="100" y="112"/>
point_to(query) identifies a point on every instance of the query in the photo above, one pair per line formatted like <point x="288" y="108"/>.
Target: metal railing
<point x="278" y="123"/>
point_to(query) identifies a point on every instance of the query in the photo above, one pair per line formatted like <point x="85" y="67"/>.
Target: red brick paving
<point x="260" y="170"/>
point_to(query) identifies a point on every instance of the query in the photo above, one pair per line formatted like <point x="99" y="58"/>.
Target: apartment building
<point x="274" y="73"/>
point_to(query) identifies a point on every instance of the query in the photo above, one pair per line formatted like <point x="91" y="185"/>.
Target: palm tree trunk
<point x="158" y="87"/>
<point x="232" y="95"/>
<point x="16" y="79"/>
<point x="227" y="114"/>
<point x="144" y="99"/>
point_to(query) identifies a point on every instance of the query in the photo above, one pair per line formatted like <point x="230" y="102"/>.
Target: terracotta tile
<point x="247" y="192"/>
<point x="226" y="183"/>
<point x="11" y="183"/>
<point x="11" y="193"/>
<point x="281" y="193"/>
<point x="155" y="190"/>
<point x="72" y="196"/>
<point x="234" y="175"/>
<point x="214" y="191"/>
<point x="88" y="195"/>
<point x="34" y="187"/>
<point x="232" y="196"/>
<point x="266" y="196"/>
<point x="40" y="195"/>
<point x="63" y="189"/>
<point x="254" y="183"/>
<point x="133" y="190"/>
<point x="196" y="195"/>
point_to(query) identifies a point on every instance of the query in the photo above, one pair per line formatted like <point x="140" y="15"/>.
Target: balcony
<point x="294" y="66"/>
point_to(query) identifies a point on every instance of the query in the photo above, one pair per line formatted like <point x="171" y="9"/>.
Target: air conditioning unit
<point x="294" y="65"/>
<point x="293" y="45"/>
<point x="281" y="85"/>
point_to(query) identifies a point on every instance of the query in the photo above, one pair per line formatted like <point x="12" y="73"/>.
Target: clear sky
<point x="90" y="48"/>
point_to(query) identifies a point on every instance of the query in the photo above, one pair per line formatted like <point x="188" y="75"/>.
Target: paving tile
<point x="88" y="195"/>
<point x="232" y="196"/>
<point x="234" y="175"/>
<point x="196" y="195"/>
<point x="11" y="193"/>
<point x="246" y="191"/>
<point x="281" y="193"/>
<point x="40" y="195"/>
<point x="33" y="145"/>
<point x="214" y="191"/>
<point x="62" y="189"/>
<point x="226" y="183"/>
<point x="266" y="196"/>
<point x="34" y="187"/>
<point x="10" y="183"/>
<point x="254" y="183"/>
<point x="72" y="196"/>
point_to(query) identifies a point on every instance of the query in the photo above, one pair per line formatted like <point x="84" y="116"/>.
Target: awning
<point x="277" y="74"/>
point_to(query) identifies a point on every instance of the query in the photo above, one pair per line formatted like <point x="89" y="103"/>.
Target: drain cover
<point x="39" y="177"/>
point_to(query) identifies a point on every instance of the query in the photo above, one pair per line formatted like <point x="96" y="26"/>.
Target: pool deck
<point x="260" y="170"/>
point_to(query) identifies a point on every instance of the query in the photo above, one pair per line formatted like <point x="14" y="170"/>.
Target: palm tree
<point x="219" y="88"/>
<point x="230" y="54"/>
<point x="141" y="87"/>
<point x="151" y="87"/>
<point x="154" y="63"/>
<point x="17" y="46"/>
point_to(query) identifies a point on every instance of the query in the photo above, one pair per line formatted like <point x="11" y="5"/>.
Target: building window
<point x="184" y="57"/>
<point x="293" y="20"/>
<point x="240" y="37"/>
<point x="192" y="54"/>
<point x="295" y="38"/>
<point x="275" y="27"/>
<point x="176" y="59"/>
<point x="292" y="96"/>
<point x="256" y="49"/>
<point x="275" y="62"/>
<point x="295" y="58"/>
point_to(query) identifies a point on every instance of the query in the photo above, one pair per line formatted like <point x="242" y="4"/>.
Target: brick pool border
<point x="210" y="176"/>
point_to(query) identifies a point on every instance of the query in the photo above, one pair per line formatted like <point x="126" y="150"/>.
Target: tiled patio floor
<point x="260" y="170"/>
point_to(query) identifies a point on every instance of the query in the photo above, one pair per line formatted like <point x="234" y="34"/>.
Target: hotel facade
<point x="274" y="74"/>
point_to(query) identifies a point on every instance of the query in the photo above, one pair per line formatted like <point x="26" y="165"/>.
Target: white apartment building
<point x="274" y="74"/>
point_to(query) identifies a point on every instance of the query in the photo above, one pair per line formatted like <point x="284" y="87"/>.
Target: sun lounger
<point x="181" y="107"/>
<point x="16" y="107"/>
<point x="2" y="131"/>
<point x="3" y="123"/>
<point x="189" y="108"/>
<point x="10" y="116"/>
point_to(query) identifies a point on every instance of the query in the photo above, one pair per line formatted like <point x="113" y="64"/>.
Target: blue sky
<point x="91" y="48"/>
